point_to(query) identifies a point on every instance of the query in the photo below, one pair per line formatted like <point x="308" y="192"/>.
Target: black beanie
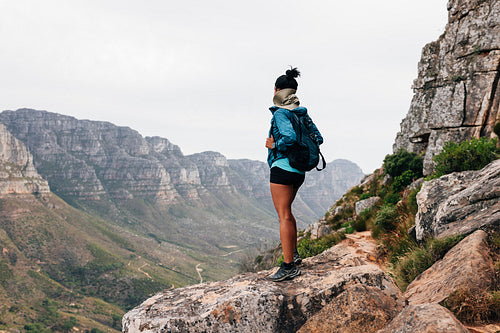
<point x="288" y="80"/>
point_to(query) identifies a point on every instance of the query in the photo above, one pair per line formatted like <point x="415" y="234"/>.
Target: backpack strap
<point x="323" y="162"/>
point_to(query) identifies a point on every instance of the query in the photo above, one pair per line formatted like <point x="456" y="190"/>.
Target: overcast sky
<point x="201" y="73"/>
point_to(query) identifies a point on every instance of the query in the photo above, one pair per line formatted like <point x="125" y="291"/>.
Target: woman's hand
<point x="270" y="142"/>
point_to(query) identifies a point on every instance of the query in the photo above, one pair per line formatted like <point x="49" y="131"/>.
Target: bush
<point x="412" y="200"/>
<point x="400" y="182"/>
<point x="396" y="164"/>
<point x="392" y="198"/>
<point x="386" y="218"/>
<point x="468" y="155"/>
<point x="411" y="264"/>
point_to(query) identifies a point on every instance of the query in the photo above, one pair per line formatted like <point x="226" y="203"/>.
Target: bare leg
<point x="283" y="196"/>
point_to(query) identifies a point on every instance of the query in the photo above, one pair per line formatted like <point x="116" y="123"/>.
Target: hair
<point x="288" y="80"/>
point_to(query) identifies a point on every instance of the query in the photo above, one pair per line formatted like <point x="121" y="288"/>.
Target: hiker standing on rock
<point x="285" y="180"/>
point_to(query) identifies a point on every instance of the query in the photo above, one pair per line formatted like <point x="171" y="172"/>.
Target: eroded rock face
<point x="468" y="264"/>
<point x="459" y="203"/>
<point x="252" y="303"/>
<point x="17" y="172"/>
<point x="92" y="160"/>
<point x="424" y="318"/>
<point x="359" y="308"/>
<point x="456" y="93"/>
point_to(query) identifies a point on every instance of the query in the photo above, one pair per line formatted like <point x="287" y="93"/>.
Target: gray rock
<point x="466" y="264"/>
<point x="320" y="229"/>
<point x="17" y="172"/>
<point x="459" y="203"/>
<point x="358" y="309"/>
<point x="365" y="204"/>
<point x="456" y="92"/>
<point x="252" y="303"/>
<point x="425" y="318"/>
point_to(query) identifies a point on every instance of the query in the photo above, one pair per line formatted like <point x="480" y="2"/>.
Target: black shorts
<point x="283" y="177"/>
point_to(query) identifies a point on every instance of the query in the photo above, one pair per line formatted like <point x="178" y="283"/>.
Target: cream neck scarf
<point x="286" y="99"/>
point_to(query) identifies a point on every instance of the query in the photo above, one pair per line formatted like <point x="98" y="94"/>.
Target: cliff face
<point x="93" y="161"/>
<point x="17" y="172"/>
<point x="456" y="93"/>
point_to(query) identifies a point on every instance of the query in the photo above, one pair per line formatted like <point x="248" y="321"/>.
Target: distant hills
<point x="136" y="216"/>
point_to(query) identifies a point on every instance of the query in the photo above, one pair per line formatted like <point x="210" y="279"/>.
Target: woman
<point x="285" y="180"/>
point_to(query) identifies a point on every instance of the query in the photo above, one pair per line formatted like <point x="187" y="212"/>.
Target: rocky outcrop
<point x="17" y="172"/>
<point x="365" y="204"/>
<point x="466" y="265"/>
<point x="252" y="303"/>
<point x="459" y="203"/>
<point x="424" y="318"/>
<point x="457" y="92"/>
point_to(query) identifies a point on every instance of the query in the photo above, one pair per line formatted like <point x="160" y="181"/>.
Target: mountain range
<point x="94" y="213"/>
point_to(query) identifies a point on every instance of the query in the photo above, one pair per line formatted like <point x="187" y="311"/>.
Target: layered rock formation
<point x="456" y="93"/>
<point x="17" y="172"/>
<point x="91" y="160"/>
<point x="459" y="203"/>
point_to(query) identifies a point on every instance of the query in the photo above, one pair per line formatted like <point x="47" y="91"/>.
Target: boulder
<point x="429" y="317"/>
<point x="467" y="264"/>
<point x="359" y="308"/>
<point x="252" y="303"/>
<point x="459" y="203"/>
<point x="320" y="229"/>
<point x="365" y="204"/>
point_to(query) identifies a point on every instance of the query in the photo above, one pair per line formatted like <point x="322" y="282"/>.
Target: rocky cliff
<point x="92" y="160"/>
<point x="456" y="93"/>
<point x="17" y="172"/>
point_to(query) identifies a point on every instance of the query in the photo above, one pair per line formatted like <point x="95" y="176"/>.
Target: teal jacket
<point x="283" y="132"/>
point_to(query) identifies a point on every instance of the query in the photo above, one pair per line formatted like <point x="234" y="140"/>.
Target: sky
<point x="201" y="73"/>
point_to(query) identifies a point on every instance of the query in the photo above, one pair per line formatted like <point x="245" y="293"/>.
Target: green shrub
<point x="364" y="220"/>
<point x="412" y="200"/>
<point x="468" y="155"/>
<point x="392" y="198"/>
<point x="396" y="164"/>
<point x="386" y="218"/>
<point x="400" y="182"/>
<point x="409" y="265"/>
<point x="365" y="196"/>
<point x="308" y="247"/>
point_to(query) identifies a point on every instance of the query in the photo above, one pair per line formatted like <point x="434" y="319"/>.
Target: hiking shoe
<point x="284" y="273"/>
<point x="297" y="260"/>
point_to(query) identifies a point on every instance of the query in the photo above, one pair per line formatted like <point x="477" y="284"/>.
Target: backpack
<point x="304" y="154"/>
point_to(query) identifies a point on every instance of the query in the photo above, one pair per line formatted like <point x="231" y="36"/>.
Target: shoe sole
<point x="287" y="277"/>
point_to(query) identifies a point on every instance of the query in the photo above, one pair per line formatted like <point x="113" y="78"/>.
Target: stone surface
<point x="252" y="303"/>
<point x="17" y="172"/>
<point x="425" y="318"/>
<point x="319" y="229"/>
<point x="459" y="203"/>
<point x="365" y="204"/>
<point x="359" y="308"/>
<point x="466" y="264"/>
<point x="456" y="93"/>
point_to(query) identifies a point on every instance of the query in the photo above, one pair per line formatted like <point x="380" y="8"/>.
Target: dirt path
<point x="362" y="245"/>
<point x="199" y="270"/>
